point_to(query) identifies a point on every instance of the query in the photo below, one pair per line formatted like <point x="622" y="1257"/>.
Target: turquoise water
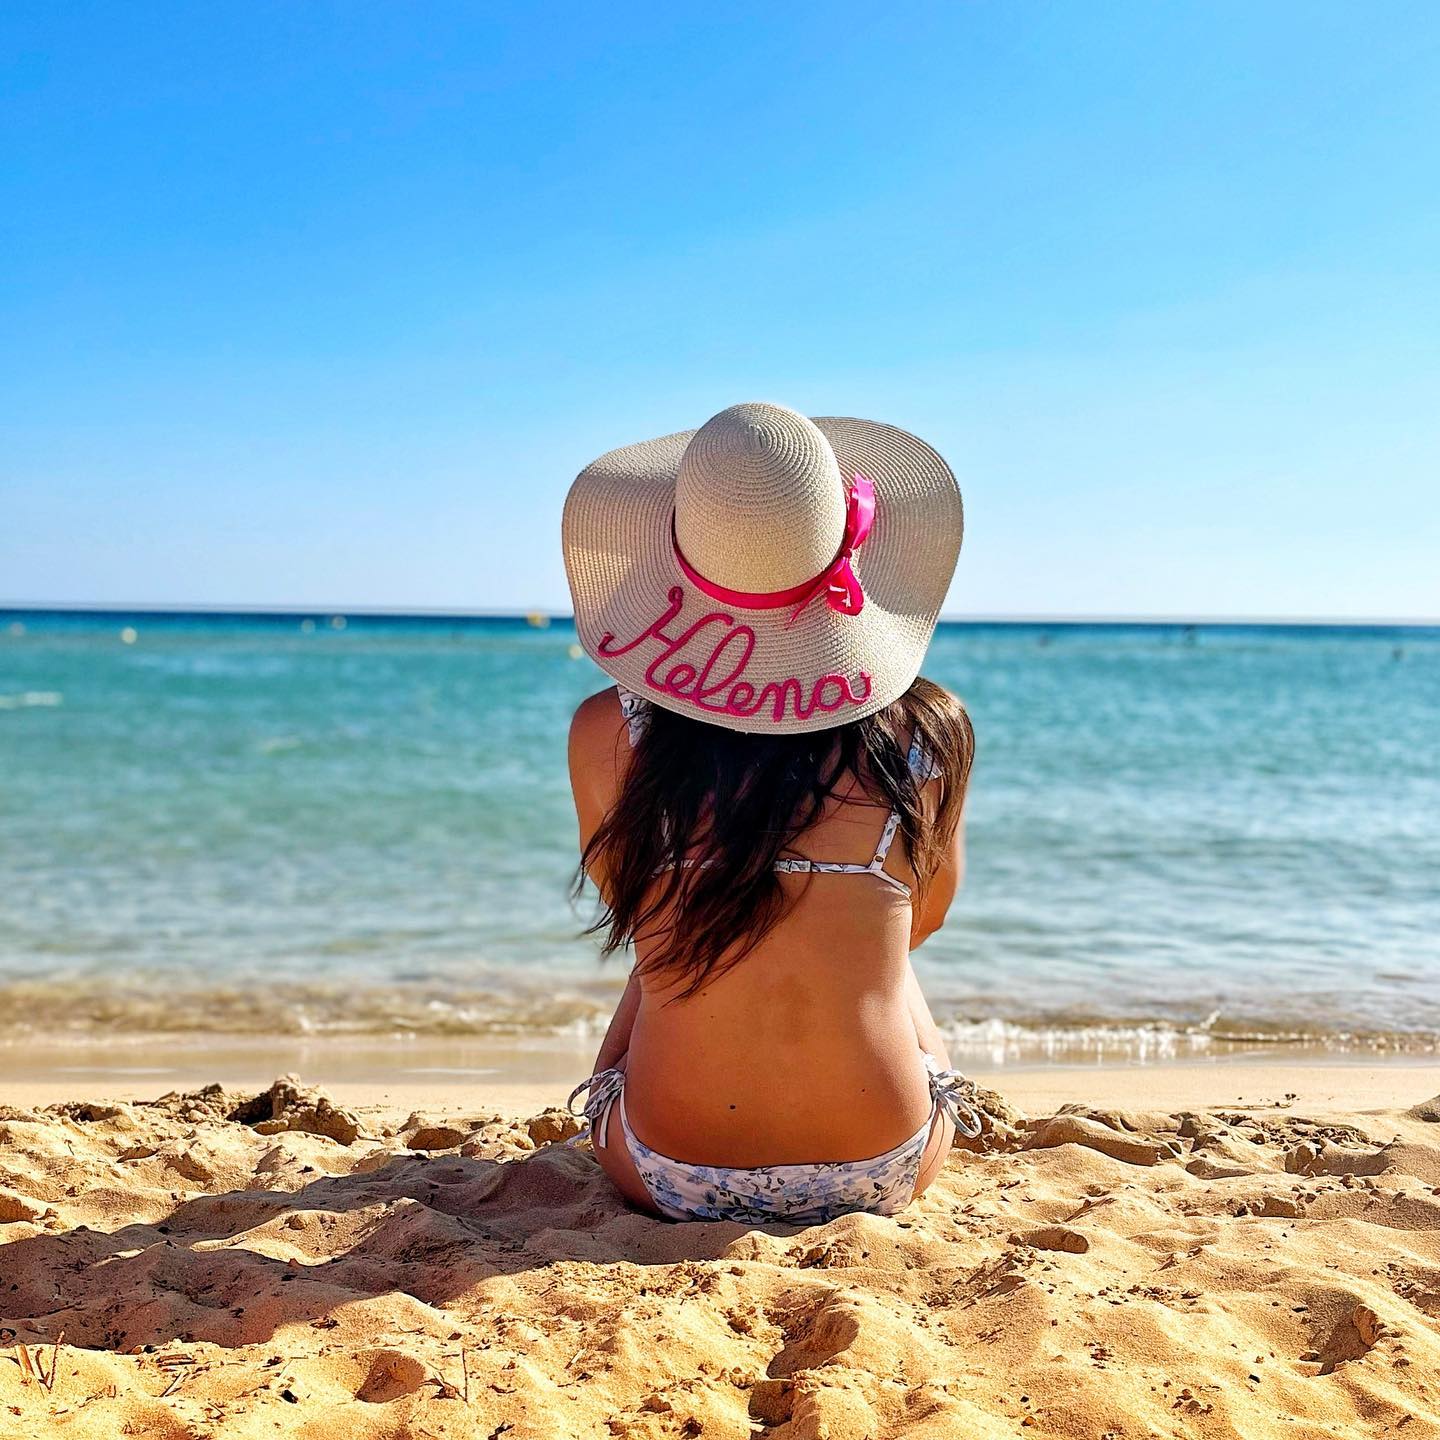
<point x="1178" y="835"/>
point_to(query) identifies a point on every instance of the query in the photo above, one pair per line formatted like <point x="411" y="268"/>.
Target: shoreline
<point x="33" y="1034"/>
<point x="526" y="1075"/>
<point x="542" y="1056"/>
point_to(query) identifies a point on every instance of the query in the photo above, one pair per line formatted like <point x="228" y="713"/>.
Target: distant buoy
<point x="307" y="627"/>
<point x="537" y="619"/>
<point x="575" y="652"/>
<point x="337" y="622"/>
<point x="129" y="635"/>
<point x="16" y="629"/>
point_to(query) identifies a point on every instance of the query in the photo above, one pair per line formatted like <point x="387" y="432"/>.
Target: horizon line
<point x="424" y="612"/>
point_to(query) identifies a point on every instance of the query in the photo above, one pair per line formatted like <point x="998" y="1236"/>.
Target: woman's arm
<point x="927" y="1032"/>
<point x="594" y="778"/>
<point x="595" y="758"/>
<point x="617" y="1038"/>
<point x="932" y="907"/>
<point x="928" y="916"/>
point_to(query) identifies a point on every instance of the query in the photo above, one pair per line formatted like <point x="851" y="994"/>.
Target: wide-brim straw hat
<point x="767" y="572"/>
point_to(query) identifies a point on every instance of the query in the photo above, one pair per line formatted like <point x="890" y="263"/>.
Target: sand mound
<point x="215" y="1265"/>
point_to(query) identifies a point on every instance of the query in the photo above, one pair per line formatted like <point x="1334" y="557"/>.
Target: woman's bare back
<point x="808" y="1048"/>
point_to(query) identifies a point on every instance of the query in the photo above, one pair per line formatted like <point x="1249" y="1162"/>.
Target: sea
<point x="1183" y="839"/>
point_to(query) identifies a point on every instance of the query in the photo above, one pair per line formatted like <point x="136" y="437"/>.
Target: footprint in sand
<point x="1358" y="1331"/>
<point x="391" y="1374"/>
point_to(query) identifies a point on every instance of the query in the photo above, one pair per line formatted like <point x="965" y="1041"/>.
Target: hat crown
<point x="759" y="499"/>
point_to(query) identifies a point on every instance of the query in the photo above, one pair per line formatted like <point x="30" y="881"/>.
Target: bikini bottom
<point x="804" y="1194"/>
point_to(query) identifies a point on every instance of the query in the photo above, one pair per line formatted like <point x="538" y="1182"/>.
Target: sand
<point x="1190" y="1252"/>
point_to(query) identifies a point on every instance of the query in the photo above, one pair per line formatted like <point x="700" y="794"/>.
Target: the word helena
<point x="718" y="685"/>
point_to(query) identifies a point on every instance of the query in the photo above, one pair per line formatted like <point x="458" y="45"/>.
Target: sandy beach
<point x="1204" y="1250"/>
<point x="756" y="538"/>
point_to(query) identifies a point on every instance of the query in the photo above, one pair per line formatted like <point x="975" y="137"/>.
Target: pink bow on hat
<point x="837" y="582"/>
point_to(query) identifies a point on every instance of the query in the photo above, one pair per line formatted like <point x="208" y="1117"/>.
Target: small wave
<point x="136" y="1005"/>
<point x="1001" y="1042"/>
<point x="998" y="1041"/>
<point x="27" y="699"/>
<point x="577" y="1008"/>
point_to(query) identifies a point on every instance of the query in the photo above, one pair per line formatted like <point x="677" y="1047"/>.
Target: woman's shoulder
<point x="596" y="717"/>
<point x="596" y="747"/>
<point x="601" y="719"/>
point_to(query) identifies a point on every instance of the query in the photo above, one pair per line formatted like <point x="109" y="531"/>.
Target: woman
<point x="770" y="806"/>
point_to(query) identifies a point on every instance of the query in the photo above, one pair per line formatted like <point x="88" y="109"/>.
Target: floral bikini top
<point x="636" y="709"/>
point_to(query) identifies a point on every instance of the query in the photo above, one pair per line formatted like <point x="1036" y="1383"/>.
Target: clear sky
<point x="325" y="304"/>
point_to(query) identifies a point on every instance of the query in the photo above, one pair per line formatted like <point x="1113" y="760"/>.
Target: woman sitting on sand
<point x="770" y="805"/>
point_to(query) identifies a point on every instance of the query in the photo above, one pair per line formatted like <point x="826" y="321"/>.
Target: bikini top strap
<point x="923" y="767"/>
<point x="887" y="836"/>
<point x="636" y="710"/>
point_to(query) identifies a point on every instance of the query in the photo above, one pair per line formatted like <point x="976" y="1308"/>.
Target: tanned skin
<point x="808" y="1049"/>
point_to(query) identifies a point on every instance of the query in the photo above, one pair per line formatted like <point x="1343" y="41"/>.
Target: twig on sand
<point x="48" y="1381"/>
<point x="34" y="1369"/>
<point x="1089" y="1204"/>
<point x="444" y="1390"/>
<point x="108" y="1393"/>
<point x="181" y="1363"/>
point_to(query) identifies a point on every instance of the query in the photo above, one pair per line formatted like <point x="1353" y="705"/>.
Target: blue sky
<point x="325" y="304"/>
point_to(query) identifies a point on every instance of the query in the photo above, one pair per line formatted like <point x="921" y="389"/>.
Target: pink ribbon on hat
<point x="836" y="582"/>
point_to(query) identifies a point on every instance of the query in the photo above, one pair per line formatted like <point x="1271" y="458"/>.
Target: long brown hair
<point x="729" y="805"/>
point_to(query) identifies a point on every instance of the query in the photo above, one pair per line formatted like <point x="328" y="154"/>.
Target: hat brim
<point x="621" y="565"/>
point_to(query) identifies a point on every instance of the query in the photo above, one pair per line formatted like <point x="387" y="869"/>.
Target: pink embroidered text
<point x="718" y="685"/>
